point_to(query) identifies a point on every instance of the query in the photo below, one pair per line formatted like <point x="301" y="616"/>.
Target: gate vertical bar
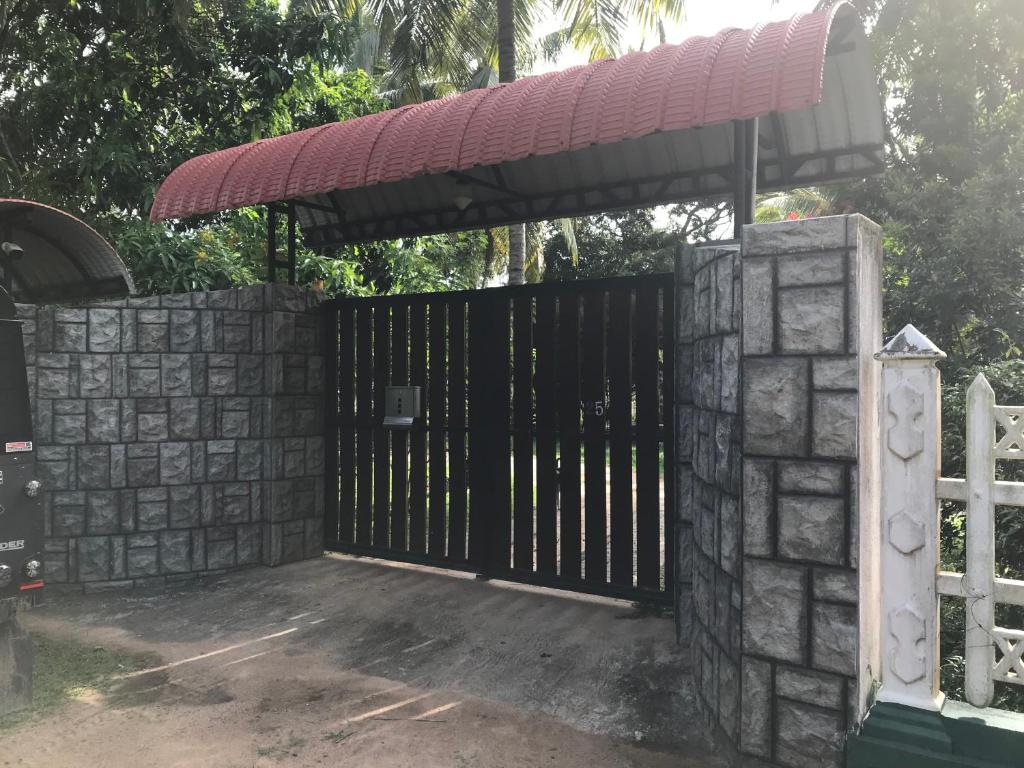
<point x="547" y="472"/>
<point x="457" y="431"/>
<point x="648" y="514"/>
<point x="381" y="450"/>
<point x="570" y="513"/>
<point x="480" y="481"/>
<point x="364" y="425"/>
<point x="346" y="359"/>
<point x="399" y="437"/>
<point x="331" y="312"/>
<point x="594" y="419"/>
<point x="620" y="421"/>
<point x="417" y="434"/>
<point x="668" y="432"/>
<point x="522" y="393"/>
<point x="498" y="347"/>
<point x="438" y="464"/>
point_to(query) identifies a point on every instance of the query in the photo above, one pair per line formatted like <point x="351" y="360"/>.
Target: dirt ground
<point x="352" y="662"/>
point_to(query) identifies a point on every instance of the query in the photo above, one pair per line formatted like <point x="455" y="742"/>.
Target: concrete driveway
<point x="344" y="661"/>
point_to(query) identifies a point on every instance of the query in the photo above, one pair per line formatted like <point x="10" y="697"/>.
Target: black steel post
<point x="291" y="243"/>
<point x="271" y="243"/>
<point x="744" y="174"/>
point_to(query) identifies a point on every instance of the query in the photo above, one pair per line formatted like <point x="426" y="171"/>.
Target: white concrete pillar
<point x="910" y="521"/>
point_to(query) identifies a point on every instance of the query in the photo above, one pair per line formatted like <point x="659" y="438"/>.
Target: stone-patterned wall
<point x="712" y="429"/>
<point x="179" y="434"/>
<point x="810" y="309"/>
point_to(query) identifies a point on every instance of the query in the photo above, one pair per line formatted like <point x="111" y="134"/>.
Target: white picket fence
<point x="910" y="494"/>
<point x="993" y="432"/>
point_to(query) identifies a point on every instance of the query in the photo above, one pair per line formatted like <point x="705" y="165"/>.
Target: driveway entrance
<point x="342" y="661"/>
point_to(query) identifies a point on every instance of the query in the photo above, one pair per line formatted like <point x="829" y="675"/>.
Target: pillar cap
<point x="910" y="344"/>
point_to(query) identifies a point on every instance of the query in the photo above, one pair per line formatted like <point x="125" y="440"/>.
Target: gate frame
<point x="484" y="539"/>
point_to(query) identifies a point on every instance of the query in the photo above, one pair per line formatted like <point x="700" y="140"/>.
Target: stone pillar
<point x="810" y="326"/>
<point x="911" y="407"/>
<point x="710" y="428"/>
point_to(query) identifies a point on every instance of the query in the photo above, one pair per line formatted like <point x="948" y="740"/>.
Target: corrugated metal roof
<point x="644" y="129"/>
<point x="63" y="258"/>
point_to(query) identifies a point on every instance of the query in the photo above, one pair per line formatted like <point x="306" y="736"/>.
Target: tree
<point x="628" y="242"/>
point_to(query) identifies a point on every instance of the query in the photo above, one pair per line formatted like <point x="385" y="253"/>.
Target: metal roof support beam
<point x="745" y="175"/>
<point x="274" y="263"/>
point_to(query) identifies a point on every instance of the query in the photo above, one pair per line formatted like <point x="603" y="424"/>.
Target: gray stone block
<point x="729" y="524"/>
<point x="835" y="585"/>
<point x="250" y="459"/>
<point x="143" y="382"/>
<point x="152" y="514"/>
<point x="142" y="472"/>
<point x="787" y="237"/>
<point x="775" y="402"/>
<point x="835" y="372"/>
<point x="774" y="619"/>
<point x="153" y="427"/>
<point x="95" y="376"/>
<point x="184" y="418"/>
<point x="175" y="551"/>
<point x="103" y="422"/>
<point x="811" y="477"/>
<point x="69" y="429"/>
<point x="70" y="337"/>
<point x="103" y="512"/>
<point x="811" y="268"/>
<point x="185" y="331"/>
<point x="93" y="558"/>
<point x="758" y="306"/>
<point x="104" y="330"/>
<point x="808" y="737"/>
<point x="185" y="506"/>
<point x="812" y="528"/>
<point x="176" y="375"/>
<point x="821" y="689"/>
<point x="175" y="463"/>
<point x="54" y="383"/>
<point x="221" y="381"/>
<point x="143" y="562"/>
<point x="835" y="425"/>
<point x="153" y="337"/>
<point x="220" y="554"/>
<point x="812" y="320"/>
<point x="758" y="507"/>
<point x="756" y="708"/>
<point x="834" y="638"/>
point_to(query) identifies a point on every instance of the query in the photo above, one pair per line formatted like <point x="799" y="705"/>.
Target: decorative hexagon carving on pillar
<point x="905" y="533"/>
<point x="907" y="658"/>
<point x="906" y="405"/>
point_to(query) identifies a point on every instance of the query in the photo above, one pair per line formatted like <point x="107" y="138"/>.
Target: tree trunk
<point x="506" y="74"/>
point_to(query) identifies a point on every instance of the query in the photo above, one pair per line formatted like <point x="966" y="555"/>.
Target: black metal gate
<point x="545" y="450"/>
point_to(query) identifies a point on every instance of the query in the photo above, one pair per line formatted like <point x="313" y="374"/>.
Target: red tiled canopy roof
<point x="644" y="129"/>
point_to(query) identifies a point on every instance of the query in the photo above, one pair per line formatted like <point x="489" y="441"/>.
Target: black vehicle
<point x="21" y="504"/>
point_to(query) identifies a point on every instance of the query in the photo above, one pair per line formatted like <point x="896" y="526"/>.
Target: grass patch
<point x="281" y="751"/>
<point x="65" y="670"/>
<point x="337" y="736"/>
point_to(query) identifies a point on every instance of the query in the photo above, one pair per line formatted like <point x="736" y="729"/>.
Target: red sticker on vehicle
<point x="19" y="447"/>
